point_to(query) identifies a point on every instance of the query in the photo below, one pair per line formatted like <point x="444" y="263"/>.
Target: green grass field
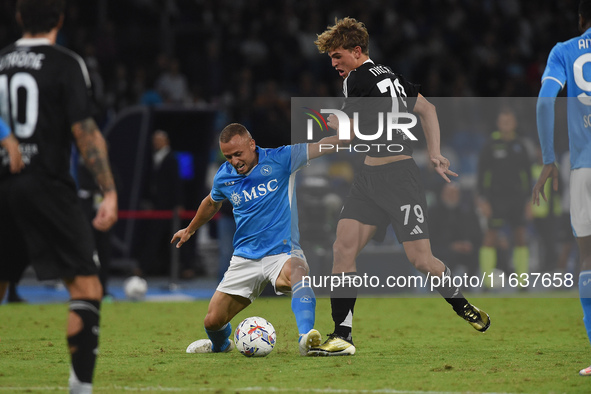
<point x="535" y="345"/>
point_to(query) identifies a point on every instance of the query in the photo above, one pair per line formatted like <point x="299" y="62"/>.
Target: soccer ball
<point x="135" y="288"/>
<point x="255" y="337"/>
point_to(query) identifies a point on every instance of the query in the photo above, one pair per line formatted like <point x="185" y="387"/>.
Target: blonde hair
<point x="347" y="33"/>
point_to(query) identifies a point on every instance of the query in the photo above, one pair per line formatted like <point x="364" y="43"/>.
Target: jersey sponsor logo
<point x="254" y="192"/>
<point x="266" y="170"/>
<point x="235" y="199"/>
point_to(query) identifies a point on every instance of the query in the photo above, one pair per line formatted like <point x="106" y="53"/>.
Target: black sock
<point x="452" y="294"/>
<point x="85" y="342"/>
<point x="342" y="302"/>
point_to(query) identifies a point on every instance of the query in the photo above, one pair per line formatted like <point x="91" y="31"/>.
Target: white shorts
<point x="247" y="278"/>
<point x="580" y="201"/>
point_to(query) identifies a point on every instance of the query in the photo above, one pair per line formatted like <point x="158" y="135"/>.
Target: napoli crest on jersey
<point x="236" y="199"/>
<point x="266" y="170"/>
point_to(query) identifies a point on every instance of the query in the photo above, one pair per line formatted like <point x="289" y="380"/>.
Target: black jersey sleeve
<point x="76" y="86"/>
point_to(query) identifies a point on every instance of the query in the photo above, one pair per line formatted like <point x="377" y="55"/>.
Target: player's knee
<point x="343" y="252"/>
<point x="298" y="268"/>
<point x="424" y="262"/>
<point x="85" y="287"/>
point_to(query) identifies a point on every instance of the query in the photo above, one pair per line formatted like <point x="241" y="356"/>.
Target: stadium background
<point x="243" y="60"/>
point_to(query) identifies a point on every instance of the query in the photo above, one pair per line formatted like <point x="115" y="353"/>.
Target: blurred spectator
<point x="457" y="235"/>
<point x="164" y="192"/>
<point x="172" y="84"/>
<point x="504" y="187"/>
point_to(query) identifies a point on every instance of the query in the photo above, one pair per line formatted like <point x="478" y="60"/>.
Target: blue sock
<point x="219" y="339"/>
<point x="585" y="295"/>
<point x="303" y="305"/>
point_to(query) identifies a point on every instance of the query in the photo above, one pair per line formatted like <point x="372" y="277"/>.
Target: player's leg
<point x="222" y="308"/>
<point x="303" y="299"/>
<point x="520" y="252"/>
<point x="351" y="238"/>
<point x="419" y="254"/>
<point x="83" y="329"/>
<point x="243" y="282"/>
<point x="488" y="254"/>
<point x="584" y="244"/>
<point x="580" y="213"/>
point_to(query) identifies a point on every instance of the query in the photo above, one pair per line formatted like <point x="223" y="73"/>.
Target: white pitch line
<point x="251" y="389"/>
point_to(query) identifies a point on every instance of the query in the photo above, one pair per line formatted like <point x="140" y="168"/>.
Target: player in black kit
<point x="44" y="96"/>
<point x="387" y="188"/>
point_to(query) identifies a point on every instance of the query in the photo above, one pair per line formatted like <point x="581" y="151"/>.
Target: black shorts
<point x="389" y="194"/>
<point x="42" y="223"/>
<point x="506" y="212"/>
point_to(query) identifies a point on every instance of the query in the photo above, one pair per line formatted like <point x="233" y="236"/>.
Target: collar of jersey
<point x="29" y="42"/>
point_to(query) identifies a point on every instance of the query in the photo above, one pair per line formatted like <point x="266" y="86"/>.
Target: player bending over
<point x="260" y="185"/>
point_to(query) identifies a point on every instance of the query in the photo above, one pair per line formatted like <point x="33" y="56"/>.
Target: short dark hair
<point x="233" y="129"/>
<point x="585" y="9"/>
<point x="40" y="16"/>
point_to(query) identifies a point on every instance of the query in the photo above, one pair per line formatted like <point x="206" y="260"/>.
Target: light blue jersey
<point x="4" y="130"/>
<point x="569" y="63"/>
<point x="264" y="201"/>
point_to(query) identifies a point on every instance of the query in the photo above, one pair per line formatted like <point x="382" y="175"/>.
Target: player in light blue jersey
<point x="570" y="63"/>
<point x="260" y="185"/>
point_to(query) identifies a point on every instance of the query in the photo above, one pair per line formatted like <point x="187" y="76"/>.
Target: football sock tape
<point x="342" y="302"/>
<point x="452" y="294"/>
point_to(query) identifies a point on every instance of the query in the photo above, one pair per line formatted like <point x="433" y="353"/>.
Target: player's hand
<point x="333" y="122"/>
<point x="548" y="171"/>
<point x="106" y="216"/>
<point x="10" y="143"/>
<point x="441" y="165"/>
<point x="183" y="236"/>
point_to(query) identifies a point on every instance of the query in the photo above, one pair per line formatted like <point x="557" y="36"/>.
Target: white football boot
<point x="204" y="346"/>
<point x="309" y="340"/>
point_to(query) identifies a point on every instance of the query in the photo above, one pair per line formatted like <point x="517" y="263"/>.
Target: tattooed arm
<point x="93" y="149"/>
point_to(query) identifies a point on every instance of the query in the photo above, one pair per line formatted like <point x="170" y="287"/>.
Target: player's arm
<point x="10" y="143"/>
<point x="207" y="209"/>
<point x="331" y="143"/>
<point x="428" y="115"/>
<point x="545" y="121"/>
<point x="93" y="149"/>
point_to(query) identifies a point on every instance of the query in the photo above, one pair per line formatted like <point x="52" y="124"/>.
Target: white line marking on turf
<point x="251" y="389"/>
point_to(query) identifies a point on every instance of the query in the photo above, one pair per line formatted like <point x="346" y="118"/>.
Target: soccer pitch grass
<point x="418" y="345"/>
